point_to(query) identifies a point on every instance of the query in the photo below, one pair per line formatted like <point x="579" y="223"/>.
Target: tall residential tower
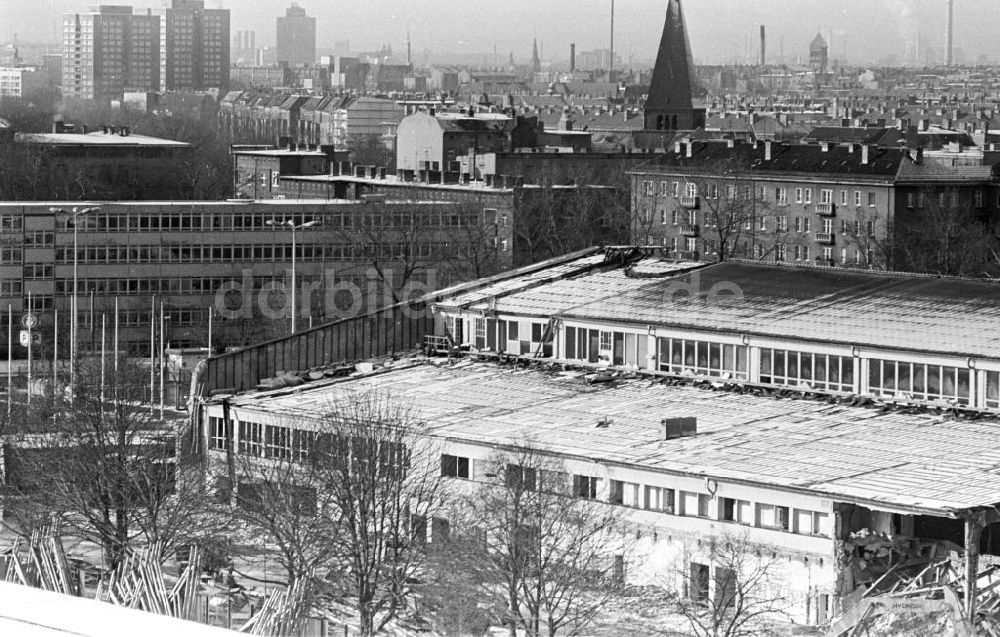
<point x="296" y="37"/>
<point x="194" y="47"/>
<point x="109" y="51"/>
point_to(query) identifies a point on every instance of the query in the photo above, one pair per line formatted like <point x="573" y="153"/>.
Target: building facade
<point x="666" y="407"/>
<point x="824" y="204"/>
<point x="296" y="37"/>
<point x="229" y="259"/>
<point x="110" y="51"/>
<point x="194" y="47"/>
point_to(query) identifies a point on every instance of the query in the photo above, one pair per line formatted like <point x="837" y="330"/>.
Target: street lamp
<point x="289" y="223"/>
<point x="75" y="213"/>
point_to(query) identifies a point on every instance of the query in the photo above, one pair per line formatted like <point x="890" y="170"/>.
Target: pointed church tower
<point x="669" y="107"/>
<point x="536" y="62"/>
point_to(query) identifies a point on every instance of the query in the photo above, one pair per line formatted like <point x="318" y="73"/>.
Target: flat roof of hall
<point x="881" y="310"/>
<point x="101" y="139"/>
<point x="908" y="462"/>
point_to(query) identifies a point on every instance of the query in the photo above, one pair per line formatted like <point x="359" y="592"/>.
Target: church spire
<point x="536" y="62"/>
<point x="669" y="105"/>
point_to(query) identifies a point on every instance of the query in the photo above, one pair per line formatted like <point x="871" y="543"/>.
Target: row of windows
<point x="791" y="368"/>
<point x="387" y="251"/>
<point x="651" y="498"/>
<point x="779" y="194"/>
<point x="679" y="356"/>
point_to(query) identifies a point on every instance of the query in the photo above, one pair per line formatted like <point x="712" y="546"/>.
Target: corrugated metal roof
<point x="917" y="462"/>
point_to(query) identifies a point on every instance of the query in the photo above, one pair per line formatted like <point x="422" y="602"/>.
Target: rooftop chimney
<point x="679" y="427"/>
<point x="572" y="58"/>
<point x="864" y="154"/>
<point x="767" y="150"/>
<point x="763" y="45"/>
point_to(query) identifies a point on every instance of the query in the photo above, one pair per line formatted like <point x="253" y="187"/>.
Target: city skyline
<point x="721" y="31"/>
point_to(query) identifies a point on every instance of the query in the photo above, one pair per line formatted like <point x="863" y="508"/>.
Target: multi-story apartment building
<point x="110" y="51"/>
<point x="190" y="255"/>
<point x="296" y="36"/>
<point x="667" y="407"/>
<point x="834" y="205"/>
<point x="194" y="47"/>
<point x="20" y="81"/>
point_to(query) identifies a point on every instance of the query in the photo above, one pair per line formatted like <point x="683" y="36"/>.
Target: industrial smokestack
<point x="763" y="46"/>
<point x="949" y="35"/>
<point x="572" y="58"/>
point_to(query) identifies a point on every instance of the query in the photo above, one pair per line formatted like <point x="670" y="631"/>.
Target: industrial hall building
<point x="843" y="421"/>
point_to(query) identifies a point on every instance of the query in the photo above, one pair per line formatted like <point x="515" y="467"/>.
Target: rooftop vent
<point x="679" y="427"/>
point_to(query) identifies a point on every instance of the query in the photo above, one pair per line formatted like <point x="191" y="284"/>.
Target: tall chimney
<point x="949" y="36"/>
<point x="763" y="46"/>
<point x="572" y="58"/>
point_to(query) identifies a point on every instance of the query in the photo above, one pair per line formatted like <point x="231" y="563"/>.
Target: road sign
<point x="29" y="320"/>
<point x="36" y="338"/>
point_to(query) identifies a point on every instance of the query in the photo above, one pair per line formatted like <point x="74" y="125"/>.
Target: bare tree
<point x="282" y="502"/>
<point x="106" y="469"/>
<point x="556" y="552"/>
<point x="740" y="599"/>
<point x="730" y="208"/>
<point x="940" y="234"/>
<point x="373" y="458"/>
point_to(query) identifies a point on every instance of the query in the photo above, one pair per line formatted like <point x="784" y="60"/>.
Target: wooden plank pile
<point x="284" y="612"/>
<point x="41" y="563"/>
<point x="139" y="582"/>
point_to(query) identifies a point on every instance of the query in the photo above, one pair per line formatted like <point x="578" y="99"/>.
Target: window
<point x="585" y="487"/>
<point x="38" y="271"/>
<point x="658" y="499"/>
<point x="38" y="238"/>
<point x="605" y="341"/>
<point x="663" y="189"/>
<point x="763" y="224"/>
<point x="993" y="390"/>
<point x="810" y="522"/>
<point x="734" y="510"/>
<point x="828" y="225"/>
<point x="220" y="433"/>
<point x="911" y="200"/>
<point x="676" y="189"/>
<point x="702" y="357"/>
<point x="828" y="254"/>
<point x="919" y="381"/>
<point x="826" y="196"/>
<point x="251" y="438"/>
<point x="10" y="255"/>
<point x="798" y="195"/>
<point x="808" y="195"/>
<point x="871" y="199"/>
<point x="648" y="188"/>
<point x="806" y="224"/>
<point x="781" y="196"/>
<point x="695" y="505"/>
<point x="857" y="198"/>
<point x="663" y="217"/>
<point x="798" y="224"/>
<point x="781" y="223"/>
<point x="675" y="217"/>
<point x="779" y="252"/>
<point x="480" y="333"/>
<point x="770" y="516"/>
<point x="624" y="493"/>
<point x="454" y="466"/>
<point x="818" y="371"/>
<point x="690" y="189"/>
<point x="520" y="478"/>
<point x="978" y="197"/>
<point x="843" y="197"/>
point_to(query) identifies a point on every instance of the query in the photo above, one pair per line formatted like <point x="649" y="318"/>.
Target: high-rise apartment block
<point x="194" y="47"/>
<point x="109" y="51"/>
<point x="296" y="37"/>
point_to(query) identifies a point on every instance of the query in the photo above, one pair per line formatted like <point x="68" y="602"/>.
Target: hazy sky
<point x="719" y="28"/>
